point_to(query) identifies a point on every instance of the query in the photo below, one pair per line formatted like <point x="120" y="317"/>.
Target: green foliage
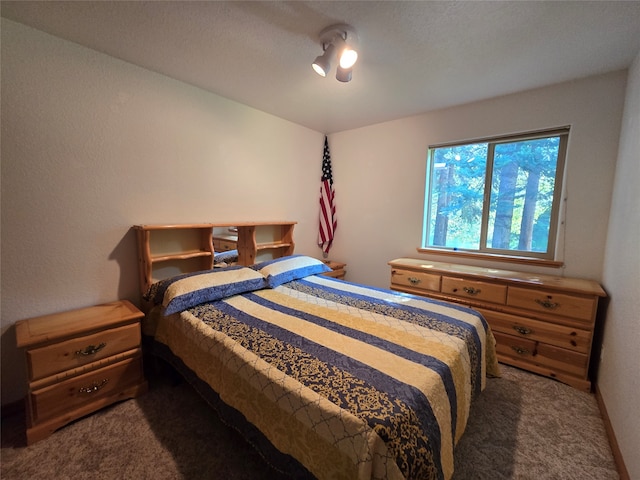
<point x="521" y="194"/>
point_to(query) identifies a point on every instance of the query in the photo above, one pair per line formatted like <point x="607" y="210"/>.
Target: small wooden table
<point x="78" y="362"/>
<point x="337" y="269"/>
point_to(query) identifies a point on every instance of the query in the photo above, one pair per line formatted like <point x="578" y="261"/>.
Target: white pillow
<point x="186" y="291"/>
<point x="287" y="269"/>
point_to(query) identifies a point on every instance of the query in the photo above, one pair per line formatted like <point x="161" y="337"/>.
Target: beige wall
<point x="92" y="145"/>
<point x="619" y="376"/>
<point x="379" y="173"/>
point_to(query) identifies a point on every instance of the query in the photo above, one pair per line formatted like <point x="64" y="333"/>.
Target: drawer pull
<point x="520" y="350"/>
<point x="546" y="303"/>
<point x="91" y="350"/>
<point x="413" y="280"/>
<point x="94" y="387"/>
<point x="471" y="290"/>
<point x="522" y="330"/>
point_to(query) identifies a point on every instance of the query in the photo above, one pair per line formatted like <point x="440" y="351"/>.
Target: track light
<point x="340" y="42"/>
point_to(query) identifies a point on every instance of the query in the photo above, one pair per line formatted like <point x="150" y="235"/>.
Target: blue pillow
<point x="227" y="257"/>
<point x="185" y="291"/>
<point x="287" y="269"/>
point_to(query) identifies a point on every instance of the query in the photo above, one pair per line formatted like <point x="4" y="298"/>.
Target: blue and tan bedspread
<point x="352" y="381"/>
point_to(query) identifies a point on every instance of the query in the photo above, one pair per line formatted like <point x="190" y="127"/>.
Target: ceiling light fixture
<point x="339" y="42"/>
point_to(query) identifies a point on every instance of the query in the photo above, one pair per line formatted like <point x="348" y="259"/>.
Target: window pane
<point x="456" y="193"/>
<point x="522" y="186"/>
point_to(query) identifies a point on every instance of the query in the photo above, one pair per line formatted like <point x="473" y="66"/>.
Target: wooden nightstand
<point x="78" y="362"/>
<point x="337" y="269"/>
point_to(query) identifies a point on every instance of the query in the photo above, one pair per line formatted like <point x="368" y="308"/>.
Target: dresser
<point x="79" y="361"/>
<point x="224" y="242"/>
<point x="542" y="323"/>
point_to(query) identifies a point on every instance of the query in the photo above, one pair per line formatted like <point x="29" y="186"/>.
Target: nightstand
<point x="78" y="362"/>
<point x="337" y="269"/>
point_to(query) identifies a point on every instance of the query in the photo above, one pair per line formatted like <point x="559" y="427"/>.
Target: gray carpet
<point x="522" y="427"/>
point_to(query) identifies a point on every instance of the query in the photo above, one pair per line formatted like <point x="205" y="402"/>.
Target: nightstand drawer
<point x="422" y="281"/>
<point x="572" y="306"/>
<point x="464" y="288"/>
<point x="559" y="335"/>
<point x="76" y="352"/>
<point x="334" y="273"/>
<point x="67" y="395"/>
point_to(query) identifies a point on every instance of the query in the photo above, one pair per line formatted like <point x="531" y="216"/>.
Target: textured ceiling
<point x="415" y="56"/>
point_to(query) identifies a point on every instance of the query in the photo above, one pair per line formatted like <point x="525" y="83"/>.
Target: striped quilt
<point x="352" y="381"/>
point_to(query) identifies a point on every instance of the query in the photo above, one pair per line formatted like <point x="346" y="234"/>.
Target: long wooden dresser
<point x="542" y="323"/>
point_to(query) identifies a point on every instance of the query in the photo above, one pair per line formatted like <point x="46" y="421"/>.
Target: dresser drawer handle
<point x="522" y="330"/>
<point x="471" y="290"/>
<point x="413" y="280"/>
<point x="94" y="387"/>
<point x="91" y="350"/>
<point x="520" y="350"/>
<point x="546" y="303"/>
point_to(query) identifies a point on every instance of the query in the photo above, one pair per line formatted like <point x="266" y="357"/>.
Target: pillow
<point x="227" y="257"/>
<point x="185" y="291"/>
<point x="286" y="269"/>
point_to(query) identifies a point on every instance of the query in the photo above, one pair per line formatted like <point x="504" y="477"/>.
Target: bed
<point x="328" y="379"/>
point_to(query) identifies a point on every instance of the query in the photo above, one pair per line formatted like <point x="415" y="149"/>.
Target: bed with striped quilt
<point x="350" y="381"/>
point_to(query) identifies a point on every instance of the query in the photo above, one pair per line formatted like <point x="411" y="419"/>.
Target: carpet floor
<point x="523" y="426"/>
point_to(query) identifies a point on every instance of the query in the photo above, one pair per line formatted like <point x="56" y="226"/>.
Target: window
<point x="496" y="196"/>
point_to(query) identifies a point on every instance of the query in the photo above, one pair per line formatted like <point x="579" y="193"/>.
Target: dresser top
<point x="576" y="285"/>
<point x="61" y="325"/>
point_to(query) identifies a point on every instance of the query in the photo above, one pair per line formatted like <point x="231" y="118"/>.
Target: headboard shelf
<point x="180" y="255"/>
<point x="265" y="246"/>
<point x="172" y="249"/>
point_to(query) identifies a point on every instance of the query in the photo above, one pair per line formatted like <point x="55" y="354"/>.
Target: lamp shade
<point x="322" y="63"/>
<point x="347" y="54"/>
<point x="343" y="74"/>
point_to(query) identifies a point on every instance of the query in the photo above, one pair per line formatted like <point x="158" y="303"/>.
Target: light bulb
<point x="348" y="58"/>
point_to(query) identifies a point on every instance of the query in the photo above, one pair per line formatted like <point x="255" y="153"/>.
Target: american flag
<point x="328" y="219"/>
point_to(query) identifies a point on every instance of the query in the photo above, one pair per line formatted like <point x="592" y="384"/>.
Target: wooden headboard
<point x="168" y="250"/>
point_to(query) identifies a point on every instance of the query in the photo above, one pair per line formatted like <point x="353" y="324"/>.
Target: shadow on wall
<point x="126" y="255"/>
<point x="13" y="370"/>
<point x="13" y="364"/>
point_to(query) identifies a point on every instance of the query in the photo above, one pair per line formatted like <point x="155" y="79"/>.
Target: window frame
<point x="550" y="256"/>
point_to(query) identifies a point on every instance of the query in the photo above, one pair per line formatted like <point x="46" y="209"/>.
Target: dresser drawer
<point x="559" y="335"/>
<point x="221" y="245"/>
<point x="77" y="391"/>
<point x="542" y="355"/>
<point x="472" y="289"/>
<point x="514" y="347"/>
<point x="572" y="306"/>
<point x="76" y="352"/>
<point x="564" y="360"/>
<point x="420" y="280"/>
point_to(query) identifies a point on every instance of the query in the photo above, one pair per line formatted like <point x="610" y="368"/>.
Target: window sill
<point x="494" y="257"/>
